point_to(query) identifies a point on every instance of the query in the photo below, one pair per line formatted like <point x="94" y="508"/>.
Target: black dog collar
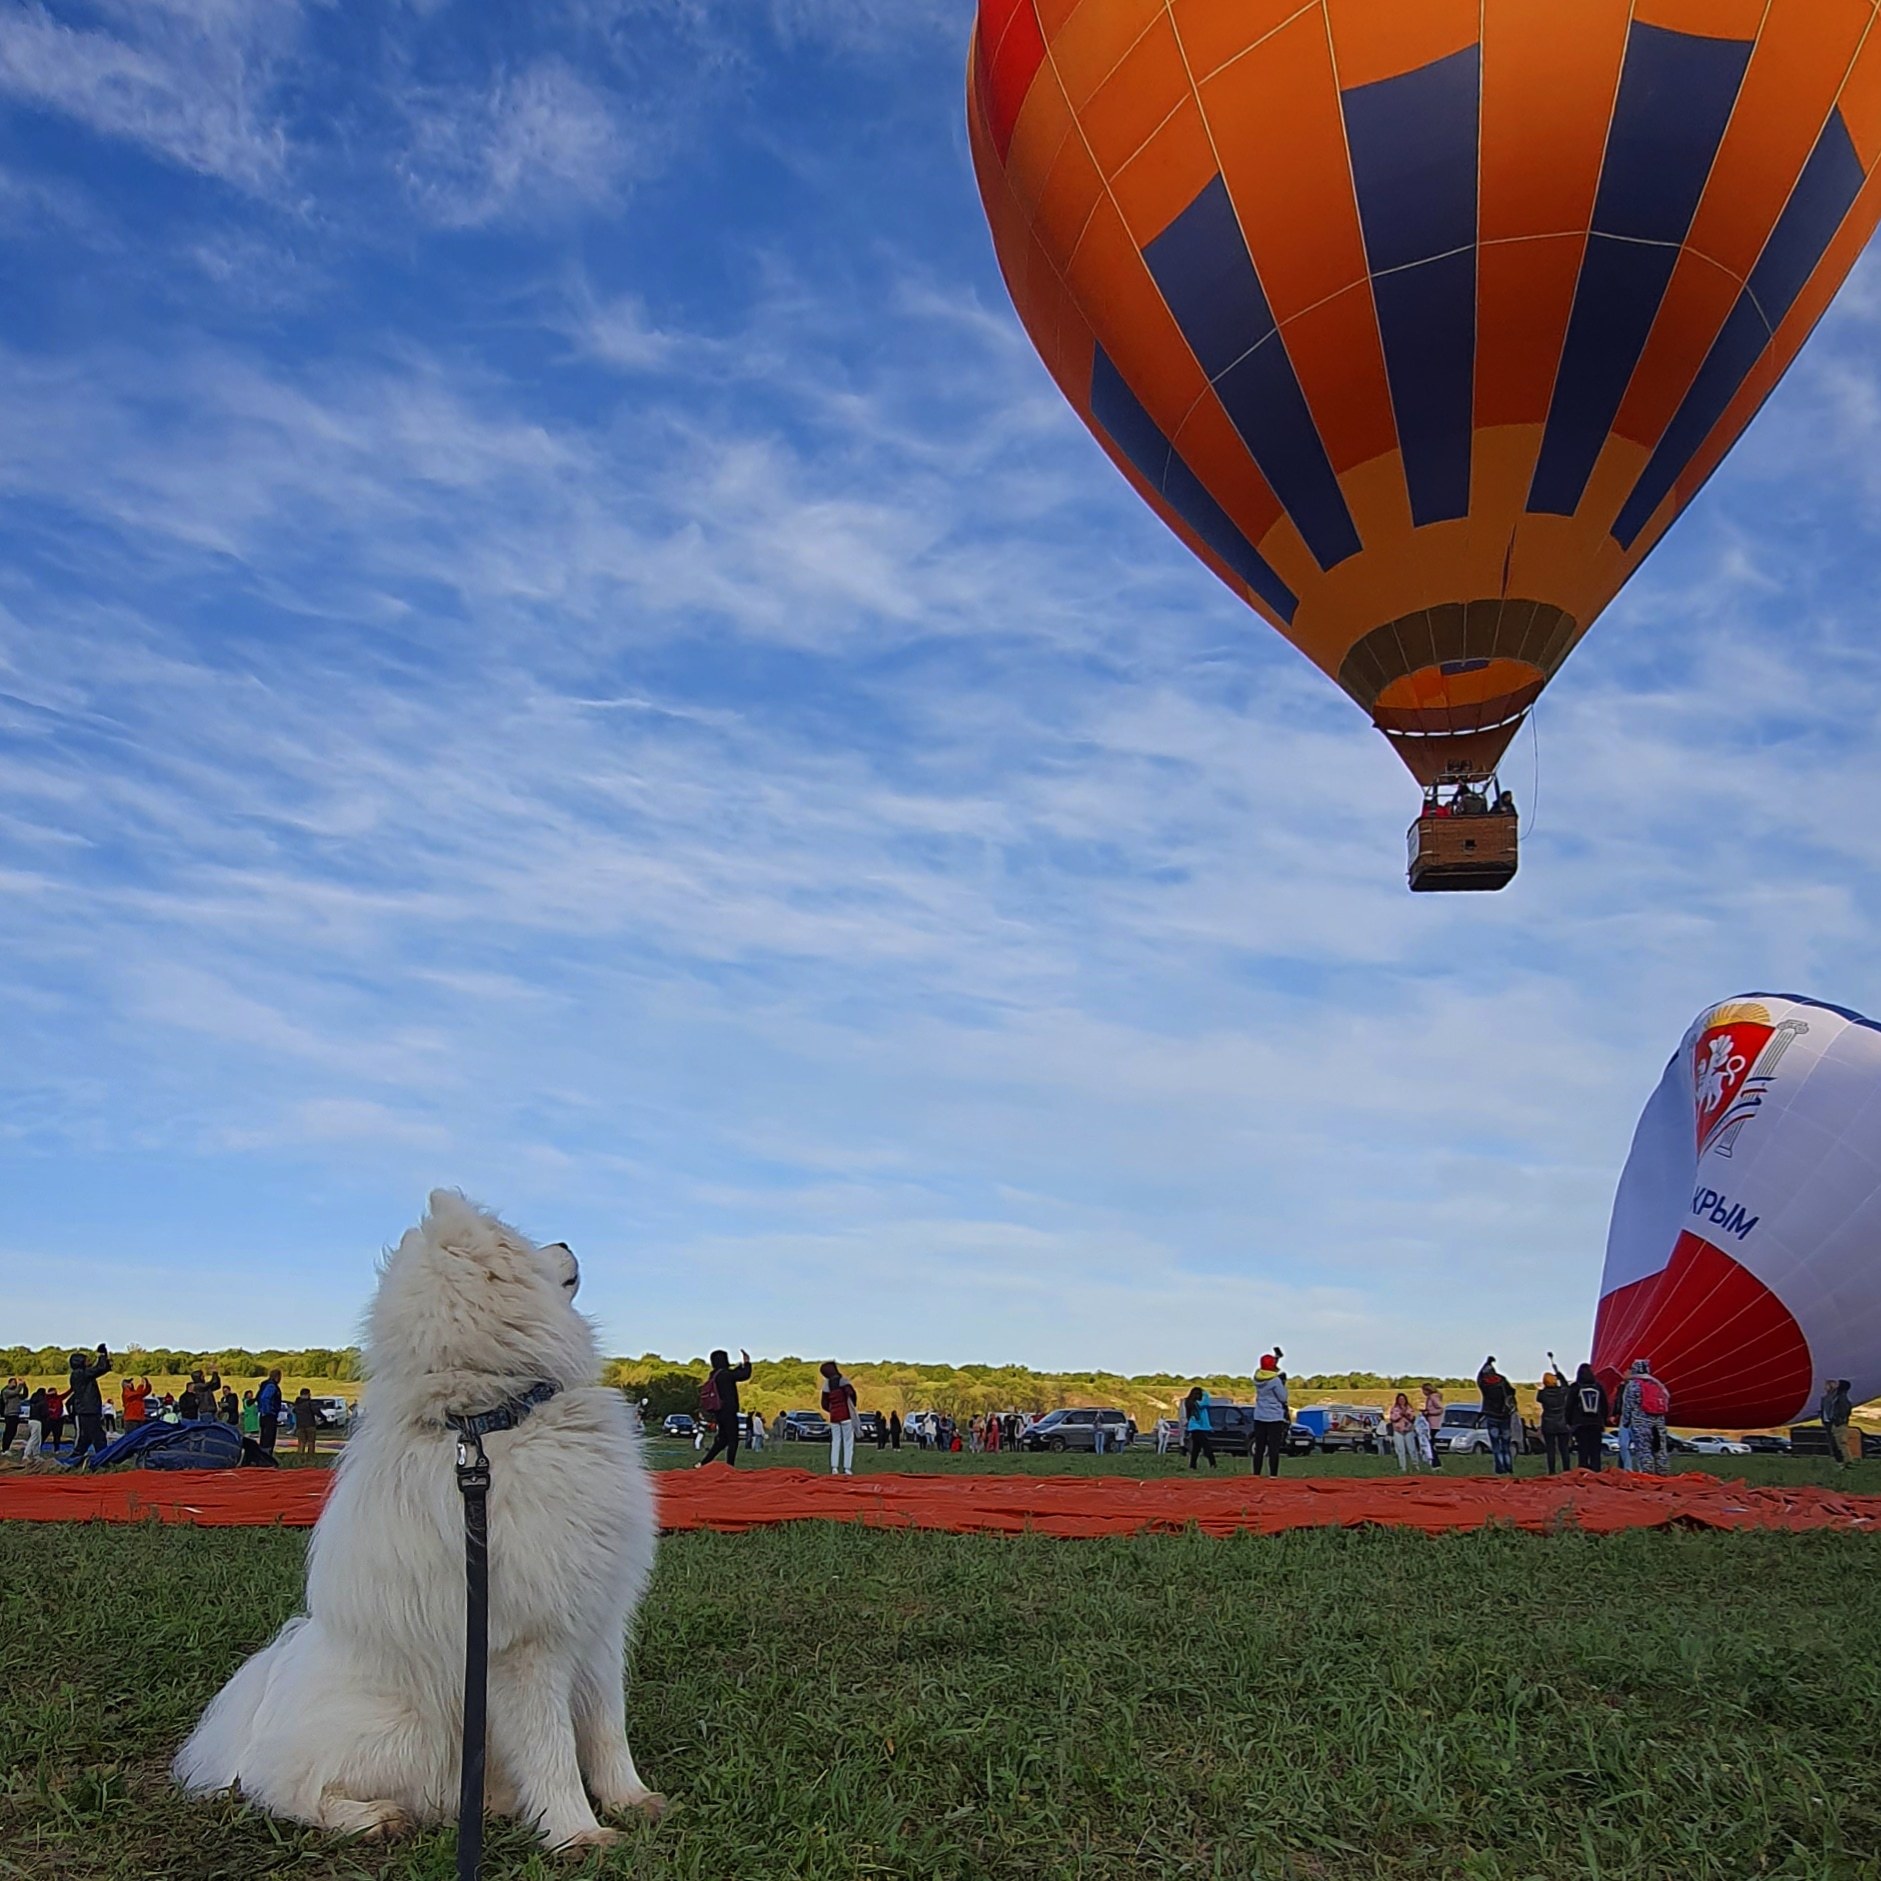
<point x="505" y="1416"/>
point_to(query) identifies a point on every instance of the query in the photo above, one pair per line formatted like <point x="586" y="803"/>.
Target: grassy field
<point x="832" y="1702"/>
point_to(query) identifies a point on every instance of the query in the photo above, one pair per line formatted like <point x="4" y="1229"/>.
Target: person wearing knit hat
<point x="1273" y="1415"/>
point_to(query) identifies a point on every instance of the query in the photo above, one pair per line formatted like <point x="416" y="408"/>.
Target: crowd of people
<point x="42" y="1412"/>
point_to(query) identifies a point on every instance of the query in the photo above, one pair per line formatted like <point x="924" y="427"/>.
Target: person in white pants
<point x="839" y="1406"/>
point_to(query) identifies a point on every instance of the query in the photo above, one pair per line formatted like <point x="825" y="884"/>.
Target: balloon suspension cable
<point x="1534" y="736"/>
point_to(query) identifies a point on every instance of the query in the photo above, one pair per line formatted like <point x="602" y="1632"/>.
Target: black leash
<point x="473" y="1484"/>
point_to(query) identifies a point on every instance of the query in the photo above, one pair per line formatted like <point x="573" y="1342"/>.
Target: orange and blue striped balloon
<point x="1420" y="321"/>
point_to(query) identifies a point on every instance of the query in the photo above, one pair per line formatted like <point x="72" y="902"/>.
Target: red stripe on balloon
<point x="1011" y="48"/>
<point x="1729" y="1351"/>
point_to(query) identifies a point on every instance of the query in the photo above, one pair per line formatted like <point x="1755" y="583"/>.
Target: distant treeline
<point x="785" y="1384"/>
<point x="165" y="1361"/>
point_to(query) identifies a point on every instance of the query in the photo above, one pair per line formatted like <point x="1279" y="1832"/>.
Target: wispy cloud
<point x="541" y="140"/>
<point x="188" y="80"/>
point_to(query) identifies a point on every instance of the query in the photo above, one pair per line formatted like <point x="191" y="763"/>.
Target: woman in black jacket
<point x="1555" y="1436"/>
<point x="1587" y="1415"/>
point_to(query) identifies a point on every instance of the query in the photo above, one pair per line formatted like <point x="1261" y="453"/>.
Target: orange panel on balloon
<point x="1063" y="208"/>
<point x="1861" y="102"/>
<point x="1697" y="301"/>
<point x="1166" y="175"/>
<point x="1550" y="71"/>
<point x="1374" y="39"/>
<point x="1524" y="293"/>
<point x="1052" y="15"/>
<point x="1148" y="84"/>
<point x="1044" y="125"/>
<point x="1092" y="43"/>
<point x="1212" y="33"/>
<point x="1341" y="368"/>
<point x="1276" y="113"/>
<point x="1798" y="68"/>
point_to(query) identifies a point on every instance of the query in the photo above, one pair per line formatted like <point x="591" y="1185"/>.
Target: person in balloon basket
<point x="1498" y="1416"/>
<point x="1835" y="1412"/>
<point x="839" y="1406"/>
<point x="1645" y="1404"/>
<point x="1587" y="1417"/>
<point x="1273" y="1415"/>
<point x="718" y="1400"/>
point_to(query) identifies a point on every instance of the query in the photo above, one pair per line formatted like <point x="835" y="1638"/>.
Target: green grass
<point x="820" y="1701"/>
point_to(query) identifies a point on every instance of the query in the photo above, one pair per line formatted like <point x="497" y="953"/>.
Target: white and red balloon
<point x="1744" y="1256"/>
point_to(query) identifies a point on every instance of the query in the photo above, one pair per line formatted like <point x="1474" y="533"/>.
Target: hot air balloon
<point x="1420" y="321"/>
<point x="1744" y="1256"/>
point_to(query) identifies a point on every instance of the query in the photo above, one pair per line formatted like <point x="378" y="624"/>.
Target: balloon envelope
<point x="1744" y="1256"/>
<point x="1421" y="320"/>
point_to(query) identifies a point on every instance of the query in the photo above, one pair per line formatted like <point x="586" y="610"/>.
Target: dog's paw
<point x="370" y="1822"/>
<point x="648" y="1804"/>
<point x="588" y="1840"/>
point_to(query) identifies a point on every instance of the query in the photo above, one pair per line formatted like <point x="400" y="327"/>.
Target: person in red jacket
<point x="136" y="1399"/>
<point x="55" y="1417"/>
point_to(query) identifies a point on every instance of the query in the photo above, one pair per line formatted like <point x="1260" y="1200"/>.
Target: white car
<point x="1719" y="1446"/>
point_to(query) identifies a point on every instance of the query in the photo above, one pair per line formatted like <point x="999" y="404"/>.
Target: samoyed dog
<point x="351" y="1718"/>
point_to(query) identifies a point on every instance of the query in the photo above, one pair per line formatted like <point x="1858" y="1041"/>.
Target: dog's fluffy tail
<point x="212" y="1760"/>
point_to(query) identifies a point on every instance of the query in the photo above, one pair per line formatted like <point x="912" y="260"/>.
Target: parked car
<point x="1077" y="1430"/>
<point x="335" y="1414"/>
<point x="800" y="1427"/>
<point x="1462" y="1433"/>
<point x="1764" y="1445"/>
<point x="679" y="1424"/>
<point x="1233" y="1431"/>
<point x="1720" y="1446"/>
<point x="869" y="1426"/>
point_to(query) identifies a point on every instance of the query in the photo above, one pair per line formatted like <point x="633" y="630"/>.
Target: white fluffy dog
<point x="351" y="1718"/>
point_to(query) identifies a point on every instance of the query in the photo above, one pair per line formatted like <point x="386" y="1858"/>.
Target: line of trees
<point x="342" y="1365"/>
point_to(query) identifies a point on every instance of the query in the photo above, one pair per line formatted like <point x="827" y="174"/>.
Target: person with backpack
<point x="718" y="1400"/>
<point x="1835" y="1412"/>
<point x="839" y="1406"/>
<point x="1273" y="1415"/>
<point x="1498" y="1416"/>
<point x="1587" y="1417"/>
<point x="1556" y="1438"/>
<point x="1645" y="1404"/>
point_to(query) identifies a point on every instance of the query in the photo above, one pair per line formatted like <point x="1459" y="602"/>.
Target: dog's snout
<point x="571" y="1268"/>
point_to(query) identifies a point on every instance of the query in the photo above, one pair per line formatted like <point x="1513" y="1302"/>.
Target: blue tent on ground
<point x="202" y="1444"/>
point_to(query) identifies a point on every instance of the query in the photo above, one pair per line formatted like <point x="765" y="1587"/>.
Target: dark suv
<point x="1077" y="1430"/>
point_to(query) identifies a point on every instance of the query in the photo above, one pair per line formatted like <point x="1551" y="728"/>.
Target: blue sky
<point x="554" y="639"/>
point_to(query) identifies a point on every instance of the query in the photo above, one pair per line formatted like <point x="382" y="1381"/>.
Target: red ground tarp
<point x="1065" y="1506"/>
